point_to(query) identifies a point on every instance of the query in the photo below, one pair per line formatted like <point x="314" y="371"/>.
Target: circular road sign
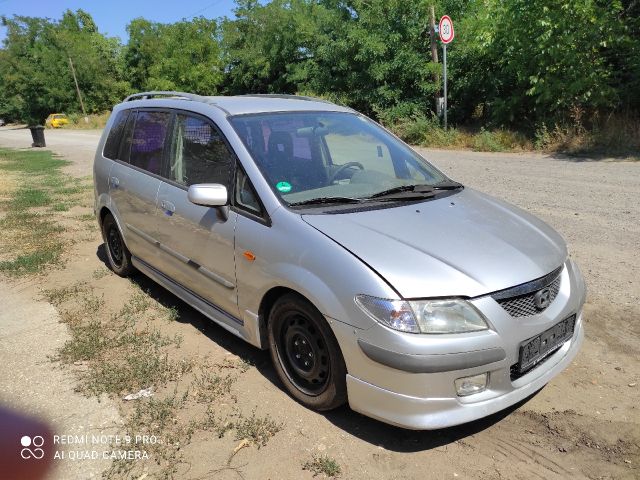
<point x="446" y="29"/>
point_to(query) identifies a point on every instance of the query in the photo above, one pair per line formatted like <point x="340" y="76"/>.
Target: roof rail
<point x="288" y="96"/>
<point x="170" y="94"/>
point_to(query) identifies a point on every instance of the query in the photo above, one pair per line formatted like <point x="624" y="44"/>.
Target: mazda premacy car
<point x="309" y="230"/>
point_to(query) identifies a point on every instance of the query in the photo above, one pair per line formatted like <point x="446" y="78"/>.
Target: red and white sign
<point x="445" y="29"/>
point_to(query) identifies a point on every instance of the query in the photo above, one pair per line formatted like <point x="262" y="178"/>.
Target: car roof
<point x="245" y="104"/>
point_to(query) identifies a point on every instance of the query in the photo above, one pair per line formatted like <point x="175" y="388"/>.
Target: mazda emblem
<point x="542" y="298"/>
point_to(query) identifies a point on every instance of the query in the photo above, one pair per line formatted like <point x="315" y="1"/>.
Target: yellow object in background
<point x="56" y="120"/>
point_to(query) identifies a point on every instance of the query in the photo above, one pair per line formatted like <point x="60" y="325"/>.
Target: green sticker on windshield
<point x="284" y="187"/>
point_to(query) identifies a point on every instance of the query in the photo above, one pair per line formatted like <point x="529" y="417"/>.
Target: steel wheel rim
<point x="303" y="354"/>
<point x="115" y="246"/>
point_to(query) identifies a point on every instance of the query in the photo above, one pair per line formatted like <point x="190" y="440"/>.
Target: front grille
<point x="520" y="301"/>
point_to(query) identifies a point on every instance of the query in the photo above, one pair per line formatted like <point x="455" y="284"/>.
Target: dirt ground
<point x="583" y="424"/>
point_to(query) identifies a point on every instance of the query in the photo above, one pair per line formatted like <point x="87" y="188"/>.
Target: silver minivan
<point x="307" y="229"/>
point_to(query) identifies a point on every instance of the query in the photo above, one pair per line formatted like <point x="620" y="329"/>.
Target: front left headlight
<point x="424" y="316"/>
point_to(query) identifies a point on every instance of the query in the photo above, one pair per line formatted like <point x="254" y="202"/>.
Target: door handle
<point x="168" y="207"/>
<point x="115" y="182"/>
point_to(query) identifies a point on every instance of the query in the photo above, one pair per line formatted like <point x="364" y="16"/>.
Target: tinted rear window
<point x="112" y="145"/>
<point x="147" y="143"/>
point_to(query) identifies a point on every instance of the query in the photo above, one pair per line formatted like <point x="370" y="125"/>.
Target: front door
<point x="197" y="243"/>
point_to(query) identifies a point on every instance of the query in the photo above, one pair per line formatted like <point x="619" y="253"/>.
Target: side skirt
<point x="209" y="310"/>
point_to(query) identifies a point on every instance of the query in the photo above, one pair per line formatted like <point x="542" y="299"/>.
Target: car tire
<point x="118" y="254"/>
<point x="306" y="354"/>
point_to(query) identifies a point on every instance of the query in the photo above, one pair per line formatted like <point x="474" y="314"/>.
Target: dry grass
<point x="32" y="183"/>
<point x="322" y="465"/>
<point x="96" y="121"/>
<point x="427" y="132"/>
<point x="121" y="348"/>
<point x="616" y="135"/>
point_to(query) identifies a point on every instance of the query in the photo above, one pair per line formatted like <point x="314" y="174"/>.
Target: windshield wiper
<point x="415" y="191"/>
<point x="406" y="191"/>
<point x="323" y="200"/>
<point x="448" y="185"/>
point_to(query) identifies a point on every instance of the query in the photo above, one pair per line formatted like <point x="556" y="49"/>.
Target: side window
<point x="147" y="142"/>
<point x="127" y="134"/>
<point x="112" y="145"/>
<point x="246" y="196"/>
<point x="198" y="153"/>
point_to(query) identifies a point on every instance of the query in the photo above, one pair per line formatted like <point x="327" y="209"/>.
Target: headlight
<point x="423" y="316"/>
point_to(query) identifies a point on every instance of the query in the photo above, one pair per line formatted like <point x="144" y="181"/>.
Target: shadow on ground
<point x="367" y="429"/>
<point x="596" y="157"/>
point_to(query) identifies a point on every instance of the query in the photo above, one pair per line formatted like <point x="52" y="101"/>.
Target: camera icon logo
<point x="32" y="447"/>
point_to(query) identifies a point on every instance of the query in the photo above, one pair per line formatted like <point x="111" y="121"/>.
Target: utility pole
<point x="73" y="71"/>
<point x="434" y="51"/>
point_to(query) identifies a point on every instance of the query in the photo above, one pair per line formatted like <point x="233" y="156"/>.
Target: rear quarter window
<point x="112" y="145"/>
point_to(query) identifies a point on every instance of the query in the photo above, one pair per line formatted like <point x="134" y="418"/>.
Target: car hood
<point x="467" y="244"/>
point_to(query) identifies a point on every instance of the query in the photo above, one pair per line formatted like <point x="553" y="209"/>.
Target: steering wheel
<point x="343" y="168"/>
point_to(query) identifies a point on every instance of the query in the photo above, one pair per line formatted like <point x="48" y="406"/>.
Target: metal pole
<point x="434" y="50"/>
<point x="444" y="62"/>
<point x="73" y="71"/>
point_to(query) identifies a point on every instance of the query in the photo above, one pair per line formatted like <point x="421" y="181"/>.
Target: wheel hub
<point x="115" y="246"/>
<point x="306" y="356"/>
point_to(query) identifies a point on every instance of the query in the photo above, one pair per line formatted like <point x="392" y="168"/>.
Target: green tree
<point x="35" y="76"/>
<point x="375" y="56"/>
<point x="265" y="45"/>
<point x="528" y="63"/>
<point x="181" y="56"/>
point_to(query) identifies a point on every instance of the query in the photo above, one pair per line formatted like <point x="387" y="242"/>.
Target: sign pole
<point x="444" y="63"/>
<point x="445" y="28"/>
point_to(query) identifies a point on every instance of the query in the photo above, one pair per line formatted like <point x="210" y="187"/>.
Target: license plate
<point x="534" y="350"/>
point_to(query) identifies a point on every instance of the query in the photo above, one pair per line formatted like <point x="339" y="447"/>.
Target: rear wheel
<point x="306" y="354"/>
<point x="117" y="252"/>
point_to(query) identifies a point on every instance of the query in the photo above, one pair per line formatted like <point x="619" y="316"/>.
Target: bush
<point x="96" y="121"/>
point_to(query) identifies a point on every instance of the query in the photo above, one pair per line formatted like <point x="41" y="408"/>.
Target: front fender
<point x="294" y="255"/>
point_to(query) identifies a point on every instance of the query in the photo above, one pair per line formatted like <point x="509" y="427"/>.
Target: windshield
<point x="330" y="155"/>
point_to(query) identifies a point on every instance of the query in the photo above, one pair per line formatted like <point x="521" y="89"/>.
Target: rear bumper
<point x="433" y="413"/>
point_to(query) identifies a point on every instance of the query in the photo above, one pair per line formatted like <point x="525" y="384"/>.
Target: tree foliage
<point x="180" y="56"/>
<point x="35" y="74"/>
<point x="514" y="63"/>
<point x="533" y="62"/>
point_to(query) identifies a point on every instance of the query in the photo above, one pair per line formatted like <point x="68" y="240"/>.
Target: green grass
<point x="39" y="162"/>
<point x="60" y="207"/>
<point x="124" y="355"/>
<point x="322" y="465"/>
<point x="257" y="430"/>
<point x="30" y="198"/>
<point x="31" y="240"/>
<point x="57" y="296"/>
<point x="210" y="386"/>
<point x="30" y="262"/>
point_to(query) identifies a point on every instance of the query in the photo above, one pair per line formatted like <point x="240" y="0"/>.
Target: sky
<point x="112" y="16"/>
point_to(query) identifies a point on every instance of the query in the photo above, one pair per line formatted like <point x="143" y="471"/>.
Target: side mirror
<point x="208" y="194"/>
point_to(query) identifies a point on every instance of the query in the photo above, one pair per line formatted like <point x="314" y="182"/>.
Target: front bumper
<point x="433" y="413"/>
<point x="408" y="380"/>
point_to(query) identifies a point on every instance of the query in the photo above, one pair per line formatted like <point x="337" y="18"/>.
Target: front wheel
<point x="306" y="355"/>
<point x="117" y="252"/>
